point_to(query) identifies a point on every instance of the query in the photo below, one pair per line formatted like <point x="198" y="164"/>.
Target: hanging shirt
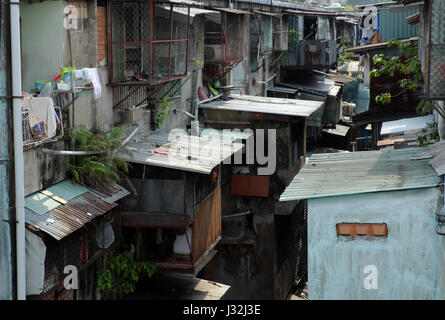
<point x="41" y="109"/>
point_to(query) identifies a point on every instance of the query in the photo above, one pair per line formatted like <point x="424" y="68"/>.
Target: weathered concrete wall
<point x="43" y="170"/>
<point x="409" y="260"/>
<point x="251" y="266"/>
<point x="6" y="245"/>
<point x="43" y="41"/>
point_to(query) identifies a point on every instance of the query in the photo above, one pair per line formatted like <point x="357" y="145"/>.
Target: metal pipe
<point x="185" y="112"/>
<point x="18" y="149"/>
<point x="86" y="153"/>
<point x="70" y="153"/>
<point x="265" y="82"/>
<point x="204" y="101"/>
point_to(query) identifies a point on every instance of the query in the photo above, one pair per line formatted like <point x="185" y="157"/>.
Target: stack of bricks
<point x="101" y="36"/>
<point x="79" y="37"/>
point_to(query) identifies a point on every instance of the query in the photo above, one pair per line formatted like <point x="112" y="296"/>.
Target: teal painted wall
<point x="393" y="25"/>
<point x="5" y="229"/>
<point x="410" y="261"/>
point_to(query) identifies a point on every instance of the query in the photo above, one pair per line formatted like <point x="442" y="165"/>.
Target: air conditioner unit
<point x="213" y="53"/>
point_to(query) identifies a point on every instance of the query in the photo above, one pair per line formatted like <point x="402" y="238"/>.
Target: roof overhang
<point x="235" y="11"/>
<point x="181" y="151"/>
<point x="255" y="104"/>
<point x="312" y="13"/>
<point x="376" y="46"/>
<point x="272" y="14"/>
<point x="67" y="206"/>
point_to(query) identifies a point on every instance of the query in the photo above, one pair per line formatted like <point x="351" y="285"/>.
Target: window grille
<point x="223" y="38"/>
<point x="149" y="42"/>
<point x="435" y="55"/>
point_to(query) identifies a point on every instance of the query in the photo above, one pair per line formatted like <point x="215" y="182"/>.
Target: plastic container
<point x="39" y="84"/>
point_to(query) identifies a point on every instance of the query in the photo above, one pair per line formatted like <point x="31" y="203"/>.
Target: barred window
<point x="223" y="38"/>
<point x="149" y="42"/>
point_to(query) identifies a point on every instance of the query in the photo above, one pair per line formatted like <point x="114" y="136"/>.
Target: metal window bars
<point x="149" y="42"/>
<point x="224" y="39"/>
<point x="435" y="51"/>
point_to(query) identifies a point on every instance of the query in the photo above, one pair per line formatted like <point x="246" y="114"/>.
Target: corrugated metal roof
<point x="406" y="125"/>
<point x="283" y="90"/>
<point x="236" y="11"/>
<point x="66" y="218"/>
<point x="288" y="107"/>
<point x="326" y="175"/>
<point x="375" y="46"/>
<point x="313" y="13"/>
<point x="272" y="14"/>
<point x="111" y="192"/>
<point x="193" y="11"/>
<point x="393" y="24"/>
<point x="196" y="154"/>
<point x="437" y="151"/>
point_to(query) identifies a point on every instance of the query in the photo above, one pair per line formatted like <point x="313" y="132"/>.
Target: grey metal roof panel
<point x="161" y="150"/>
<point x="288" y="107"/>
<point x="326" y="175"/>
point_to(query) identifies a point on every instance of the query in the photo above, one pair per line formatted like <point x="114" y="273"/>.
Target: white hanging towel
<point x="35" y="263"/>
<point x="41" y="109"/>
<point x="93" y="75"/>
<point x="180" y="246"/>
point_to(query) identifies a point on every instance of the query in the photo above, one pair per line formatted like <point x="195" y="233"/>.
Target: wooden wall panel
<point x="207" y="225"/>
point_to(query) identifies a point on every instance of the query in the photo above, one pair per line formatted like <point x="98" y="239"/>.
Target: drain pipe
<point x="18" y="148"/>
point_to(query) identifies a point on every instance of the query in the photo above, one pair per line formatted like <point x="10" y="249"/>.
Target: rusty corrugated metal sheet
<point x="236" y="11"/>
<point x="250" y="185"/>
<point x="65" y="219"/>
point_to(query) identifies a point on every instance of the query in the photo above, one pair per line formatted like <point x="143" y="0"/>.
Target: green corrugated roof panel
<point x="40" y="204"/>
<point x="54" y="196"/>
<point x="393" y="24"/>
<point x="67" y="190"/>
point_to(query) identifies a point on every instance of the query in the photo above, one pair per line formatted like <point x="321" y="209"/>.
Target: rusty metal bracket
<point x="11" y="97"/>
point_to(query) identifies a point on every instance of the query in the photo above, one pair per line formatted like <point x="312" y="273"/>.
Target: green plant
<point x="344" y="56"/>
<point x="430" y="134"/>
<point x="292" y="35"/>
<point x="162" y="110"/>
<point x="93" y="170"/>
<point x="122" y="273"/>
<point x="409" y="68"/>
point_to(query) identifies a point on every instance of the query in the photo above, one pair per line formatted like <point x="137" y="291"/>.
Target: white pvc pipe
<point x="18" y="149"/>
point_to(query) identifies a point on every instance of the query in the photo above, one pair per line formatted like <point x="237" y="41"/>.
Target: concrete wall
<point x="409" y="260"/>
<point x="6" y="172"/>
<point x="251" y="265"/>
<point x="43" y="41"/>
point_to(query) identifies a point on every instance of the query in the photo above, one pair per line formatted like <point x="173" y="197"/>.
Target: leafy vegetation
<point x="411" y="69"/>
<point x="429" y="135"/>
<point x="122" y="273"/>
<point x="94" y="170"/>
<point x="344" y="56"/>
<point x="162" y="111"/>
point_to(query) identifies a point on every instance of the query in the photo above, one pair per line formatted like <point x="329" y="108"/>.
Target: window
<point x="362" y="229"/>
<point x="434" y="51"/>
<point x="149" y="43"/>
<point x="223" y="38"/>
<point x="310" y="28"/>
<point x="280" y="33"/>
